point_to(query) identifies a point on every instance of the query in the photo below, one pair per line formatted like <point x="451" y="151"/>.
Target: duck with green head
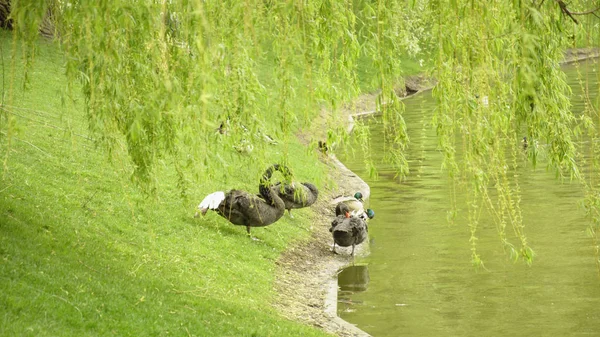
<point x="354" y="204"/>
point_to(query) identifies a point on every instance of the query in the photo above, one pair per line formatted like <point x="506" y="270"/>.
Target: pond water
<point x="419" y="279"/>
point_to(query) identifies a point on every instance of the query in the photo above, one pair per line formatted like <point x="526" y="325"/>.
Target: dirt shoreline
<point x="306" y="276"/>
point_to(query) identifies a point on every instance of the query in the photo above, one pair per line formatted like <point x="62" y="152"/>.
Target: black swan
<point x="246" y="209"/>
<point x="348" y="231"/>
<point x="297" y="195"/>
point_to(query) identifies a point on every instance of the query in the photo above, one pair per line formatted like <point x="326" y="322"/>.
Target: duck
<point x="343" y="209"/>
<point x="524" y="143"/>
<point x="243" y="208"/>
<point x="353" y="204"/>
<point x="297" y="195"/>
<point x="323" y="148"/>
<point x="348" y="230"/>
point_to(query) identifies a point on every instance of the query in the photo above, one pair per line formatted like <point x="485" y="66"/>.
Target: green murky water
<point x="419" y="280"/>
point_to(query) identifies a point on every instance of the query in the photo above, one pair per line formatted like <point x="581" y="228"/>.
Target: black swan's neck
<point x="265" y="182"/>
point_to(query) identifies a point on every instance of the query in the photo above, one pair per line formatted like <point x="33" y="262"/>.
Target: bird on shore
<point x="344" y="209"/>
<point x="296" y="195"/>
<point x="323" y="148"/>
<point x="348" y="230"/>
<point x="353" y="201"/>
<point x="246" y="209"/>
<point x="353" y="204"/>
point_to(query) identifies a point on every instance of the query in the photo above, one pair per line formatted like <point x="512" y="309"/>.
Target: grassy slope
<point x="82" y="252"/>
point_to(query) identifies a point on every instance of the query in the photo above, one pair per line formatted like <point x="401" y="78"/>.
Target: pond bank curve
<point x="306" y="278"/>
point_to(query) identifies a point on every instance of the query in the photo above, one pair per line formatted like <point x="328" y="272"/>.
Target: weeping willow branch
<point x="493" y="88"/>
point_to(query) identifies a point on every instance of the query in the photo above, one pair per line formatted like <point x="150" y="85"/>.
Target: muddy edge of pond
<point x="306" y="275"/>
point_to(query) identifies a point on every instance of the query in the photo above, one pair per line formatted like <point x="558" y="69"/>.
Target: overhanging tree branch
<point x="566" y="11"/>
<point x="593" y="12"/>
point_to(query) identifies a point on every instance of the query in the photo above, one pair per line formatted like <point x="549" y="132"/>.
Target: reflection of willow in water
<point x="351" y="280"/>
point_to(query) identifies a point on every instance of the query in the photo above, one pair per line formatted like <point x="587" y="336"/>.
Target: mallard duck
<point x="297" y="195"/>
<point x="353" y="204"/>
<point x="348" y="230"/>
<point x="246" y="209"/>
<point x="354" y="200"/>
<point x="344" y="209"/>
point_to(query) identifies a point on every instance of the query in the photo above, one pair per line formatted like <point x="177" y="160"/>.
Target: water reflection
<point x="351" y="280"/>
<point x="354" y="278"/>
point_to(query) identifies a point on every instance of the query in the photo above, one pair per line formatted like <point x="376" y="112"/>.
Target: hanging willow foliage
<point x="500" y="80"/>
<point x="161" y="76"/>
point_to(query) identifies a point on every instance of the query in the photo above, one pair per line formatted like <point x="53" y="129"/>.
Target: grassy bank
<point x="83" y="252"/>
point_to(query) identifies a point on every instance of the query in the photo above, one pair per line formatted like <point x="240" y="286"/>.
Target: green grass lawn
<point x="83" y="252"/>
